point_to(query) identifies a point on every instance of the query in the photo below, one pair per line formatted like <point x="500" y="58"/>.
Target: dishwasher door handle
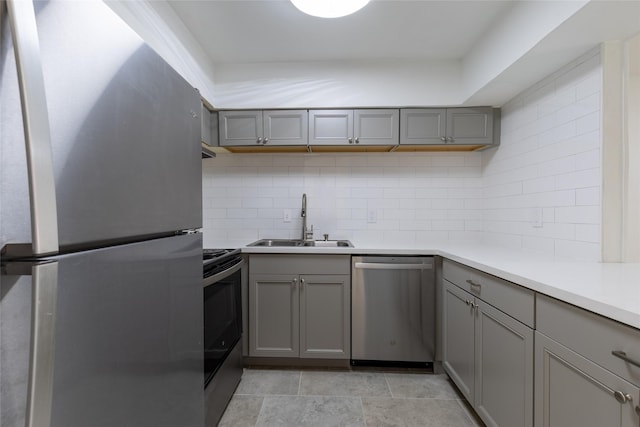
<point x="381" y="266"/>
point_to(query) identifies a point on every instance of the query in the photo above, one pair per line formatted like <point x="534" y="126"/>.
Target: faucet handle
<point x="326" y="237"/>
<point x="308" y="233"/>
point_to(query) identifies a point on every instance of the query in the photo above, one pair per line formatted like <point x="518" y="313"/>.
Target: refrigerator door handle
<point x="44" y="217"/>
<point x="43" y="319"/>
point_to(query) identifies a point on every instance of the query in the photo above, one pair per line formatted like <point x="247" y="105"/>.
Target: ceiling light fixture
<point x="329" y="8"/>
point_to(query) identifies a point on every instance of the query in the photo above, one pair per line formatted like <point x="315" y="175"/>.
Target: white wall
<point x="336" y="85"/>
<point x="418" y="199"/>
<point x="158" y="25"/>
<point x="549" y="164"/>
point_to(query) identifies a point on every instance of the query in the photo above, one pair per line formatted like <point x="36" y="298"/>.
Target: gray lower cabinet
<point x="274" y="312"/>
<point x="487" y="353"/>
<point x="578" y="380"/>
<point x="296" y="314"/>
<point x="455" y="126"/>
<point x="572" y="391"/>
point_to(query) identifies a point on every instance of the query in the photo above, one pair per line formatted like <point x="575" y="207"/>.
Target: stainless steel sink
<point x="301" y="243"/>
<point x="329" y="243"/>
<point x="277" y="243"/>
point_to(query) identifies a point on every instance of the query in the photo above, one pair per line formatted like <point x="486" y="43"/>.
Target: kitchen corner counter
<point x="609" y="289"/>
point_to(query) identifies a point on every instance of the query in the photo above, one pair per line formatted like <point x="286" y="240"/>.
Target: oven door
<point x="222" y="317"/>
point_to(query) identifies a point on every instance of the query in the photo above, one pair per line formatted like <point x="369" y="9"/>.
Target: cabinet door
<point x="423" y="126"/>
<point x="376" y="127"/>
<point x="470" y="126"/>
<point x="325" y="316"/>
<point x="240" y="128"/>
<point x="458" y="338"/>
<point x="274" y="317"/>
<point x="286" y="127"/>
<point x="330" y="127"/>
<point x="504" y="368"/>
<point x="571" y="391"/>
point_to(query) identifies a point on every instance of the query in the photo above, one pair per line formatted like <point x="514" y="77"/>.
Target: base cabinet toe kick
<point x="521" y="358"/>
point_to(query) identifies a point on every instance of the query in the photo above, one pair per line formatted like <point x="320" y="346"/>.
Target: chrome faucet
<point x="306" y="234"/>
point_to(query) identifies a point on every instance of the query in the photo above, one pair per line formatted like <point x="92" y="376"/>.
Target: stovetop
<point x="217" y="260"/>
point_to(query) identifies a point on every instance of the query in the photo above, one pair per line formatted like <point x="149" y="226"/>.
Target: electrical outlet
<point x="372" y="216"/>
<point x="286" y="215"/>
<point x="536" y="218"/>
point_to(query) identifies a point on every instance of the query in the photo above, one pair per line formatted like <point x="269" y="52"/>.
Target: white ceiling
<point x="242" y="31"/>
<point x="473" y="52"/>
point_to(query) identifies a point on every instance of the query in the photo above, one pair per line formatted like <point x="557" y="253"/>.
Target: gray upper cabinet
<point x="354" y="127"/>
<point x="300" y="306"/>
<point x="261" y="128"/>
<point x="423" y="126"/>
<point x="457" y="126"/>
<point x="205" y="125"/>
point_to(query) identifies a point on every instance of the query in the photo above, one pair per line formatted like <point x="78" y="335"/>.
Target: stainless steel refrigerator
<point x="100" y="203"/>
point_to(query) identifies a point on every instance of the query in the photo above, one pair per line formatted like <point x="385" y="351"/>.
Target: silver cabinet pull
<point x="301" y="284"/>
<point x="44" y="218"/>
<point x="350" y="140"/>
<point x="622" y="397"/>
<point x="294" y="282"/>
<point x="259" y="141"/>
<point x="357" y="140"/>
<point x="472" y="283"/>
<point x="444" y="139"/>
<point x="450" y="139"/>
<point x="474" y="305"/>
<point x="467" y="302"/>
<point x="264" y="141"/>
<point x="622" y="355"/>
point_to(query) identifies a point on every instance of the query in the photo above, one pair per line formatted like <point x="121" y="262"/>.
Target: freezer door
<point x="124" y="326"/>
<point x="124" y="130"/>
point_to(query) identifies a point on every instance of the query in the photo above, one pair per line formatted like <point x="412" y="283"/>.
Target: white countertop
<point x="609" y="289"/>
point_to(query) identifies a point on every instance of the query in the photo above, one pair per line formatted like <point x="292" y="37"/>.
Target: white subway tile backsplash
<point x="588" y="196"/>
<point x="548" y="164"/>
<point x="563" y="143"/>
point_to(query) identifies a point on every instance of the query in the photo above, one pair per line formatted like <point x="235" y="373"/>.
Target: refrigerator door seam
<point x="44" y="217"/>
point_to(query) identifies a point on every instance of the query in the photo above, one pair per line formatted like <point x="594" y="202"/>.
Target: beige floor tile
<point x="310" y="411"/>
<point x="267" y="382"/>
<point x="418" y="385"/>
<point x="380" y="412"/>
<point x="344" y="384"/>
<point x="242" y="411"/>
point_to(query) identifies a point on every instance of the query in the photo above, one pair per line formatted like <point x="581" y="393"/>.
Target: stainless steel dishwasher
<point x="393" y="309"/>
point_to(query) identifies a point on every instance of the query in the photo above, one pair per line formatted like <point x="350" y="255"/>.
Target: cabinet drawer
<point x="299" y="264"/>
<point x="516" y="301"/>
<point x="590" y="335"/>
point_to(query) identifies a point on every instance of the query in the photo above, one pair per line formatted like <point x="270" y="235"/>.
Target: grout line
<point x="299" y="383"/>
<point x="364" y="419"/>
<point x="388" y="386"/>
<point x="259" y="412"/>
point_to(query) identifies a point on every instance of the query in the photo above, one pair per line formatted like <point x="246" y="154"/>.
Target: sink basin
<point x="329" y="243"/>
<point x="275" y="243"/>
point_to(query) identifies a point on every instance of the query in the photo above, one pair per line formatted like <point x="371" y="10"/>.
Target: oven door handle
<point x="223" y="274"/>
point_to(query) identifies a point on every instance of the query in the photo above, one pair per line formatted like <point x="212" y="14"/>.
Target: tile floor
<point x="283" y="398"/>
